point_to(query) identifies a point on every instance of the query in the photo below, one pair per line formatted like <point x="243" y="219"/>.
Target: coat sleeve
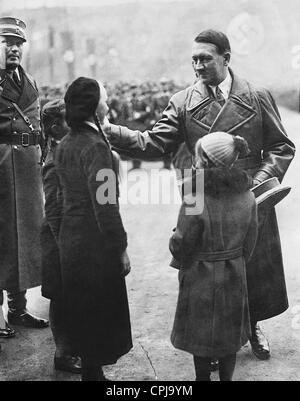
<point x="97" y="159"/>
<point x="251" y="236"/>
<point x="187" y="235"/>
<point x="53" y="198"/>
<point x="278" y="149"/>
<point x="164" y="138"/>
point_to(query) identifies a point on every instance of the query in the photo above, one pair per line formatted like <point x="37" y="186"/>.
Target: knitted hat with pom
<point x="223" y="149"/>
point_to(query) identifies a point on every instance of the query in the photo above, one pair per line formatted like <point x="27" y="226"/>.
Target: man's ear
<point x="227" y="57"/>
<point x="2" y="53"/>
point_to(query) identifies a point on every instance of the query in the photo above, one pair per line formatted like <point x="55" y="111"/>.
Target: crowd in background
<point x="133" y="104"/>
<point x="136" y="105"/>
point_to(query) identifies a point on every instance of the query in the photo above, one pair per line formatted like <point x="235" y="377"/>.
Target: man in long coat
<point x="21" y="201"/>
<point x="221" y="101"/>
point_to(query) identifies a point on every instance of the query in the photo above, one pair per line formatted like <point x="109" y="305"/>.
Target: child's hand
<point x="125" y="262"/>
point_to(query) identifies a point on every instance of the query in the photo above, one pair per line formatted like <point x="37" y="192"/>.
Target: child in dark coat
<point x="211" y="244"/>
<point x="55" y="128"/>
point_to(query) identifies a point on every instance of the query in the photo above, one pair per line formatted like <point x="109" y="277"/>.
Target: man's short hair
<point x="217" y="38"/>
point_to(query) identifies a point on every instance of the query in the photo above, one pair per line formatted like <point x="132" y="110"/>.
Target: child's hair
<point x="241" y="146"/>
<point x="53" y="112"/>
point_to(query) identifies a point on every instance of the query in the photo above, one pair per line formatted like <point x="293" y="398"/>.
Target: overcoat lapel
<point x="10" y="91"/>
<point x="212" y="117"/>
<point x="24" y="96"/>
<point x="29" y="92"/>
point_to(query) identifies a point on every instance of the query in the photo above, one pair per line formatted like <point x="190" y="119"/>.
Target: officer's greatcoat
<point x="21" y="201"/>
<point x="252" y="114"/>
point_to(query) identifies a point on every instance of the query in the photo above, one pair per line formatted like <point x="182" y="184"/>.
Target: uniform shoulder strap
<point x="25" y="118"/>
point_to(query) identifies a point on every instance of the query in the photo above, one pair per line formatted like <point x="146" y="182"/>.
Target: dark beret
<point x="81" y="99"/>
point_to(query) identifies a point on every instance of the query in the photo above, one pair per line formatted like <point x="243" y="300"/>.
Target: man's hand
<point x="125" y="262"/>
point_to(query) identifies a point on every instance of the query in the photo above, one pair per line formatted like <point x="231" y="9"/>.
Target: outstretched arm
<point x="164" y="138"/>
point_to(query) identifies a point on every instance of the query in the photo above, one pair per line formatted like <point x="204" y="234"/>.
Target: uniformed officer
<point x="21" y="201"/>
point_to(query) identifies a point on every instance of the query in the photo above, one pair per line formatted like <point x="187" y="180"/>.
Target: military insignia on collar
<point x="17" y="22"/>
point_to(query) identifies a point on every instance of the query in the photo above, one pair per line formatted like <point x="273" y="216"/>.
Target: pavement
<point x="152" y="290"/>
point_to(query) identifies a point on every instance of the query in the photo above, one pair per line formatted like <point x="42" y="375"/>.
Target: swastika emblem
<point x="246" y="33"/>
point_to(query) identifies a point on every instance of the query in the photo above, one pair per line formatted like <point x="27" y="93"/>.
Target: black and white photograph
<point x="149" y="193"/>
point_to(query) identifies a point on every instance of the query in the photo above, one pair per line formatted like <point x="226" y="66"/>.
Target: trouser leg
<point x="90" y="371"/>
<point x="226" y="367"/>
<point x="58" y="328"/>
<point x="202" y="368"/>
<point x="16" y="301"/>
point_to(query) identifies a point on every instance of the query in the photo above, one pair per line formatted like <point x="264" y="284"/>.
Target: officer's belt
<point x="23" y="139"/>
<point x="218" y="255"/>
<point x="248" y="162"/>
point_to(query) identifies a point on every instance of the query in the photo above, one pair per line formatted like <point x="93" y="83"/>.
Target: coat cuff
<point x="261" y="176"/>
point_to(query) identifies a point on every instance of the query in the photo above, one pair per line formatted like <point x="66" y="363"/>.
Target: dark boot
<point x="259" y="343"/>
<point x="17" y="313"/>
<point x="91" y="373"/>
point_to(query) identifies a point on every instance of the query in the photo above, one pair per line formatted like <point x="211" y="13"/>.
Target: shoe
<point x="214" y="365"/>
<point x="97" y="378"/>
<point x="68" y="363"/>
<point x="7" y="332"/>
<point x="259" y="343"/>
<point x="104" y="379"/>
<point x="27" y="320"/>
